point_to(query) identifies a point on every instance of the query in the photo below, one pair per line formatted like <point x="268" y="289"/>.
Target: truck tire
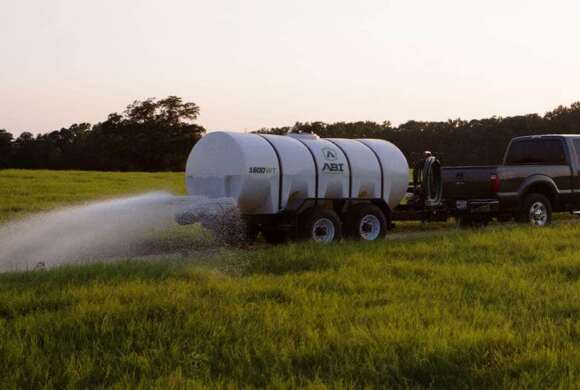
<point x="320" y="225"/>
<point x="275" y="236"/>
<point x="536" y="210"/>
<point x="365" y="222"/>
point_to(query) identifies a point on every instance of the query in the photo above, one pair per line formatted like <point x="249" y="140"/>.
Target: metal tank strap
<point x="380" y="167"/>
<point x="347" y="163"/>
<point x="315" y="166"/>
<point x="280" y="170"/>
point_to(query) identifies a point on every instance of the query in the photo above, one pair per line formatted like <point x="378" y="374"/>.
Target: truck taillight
<point x="494" y="179"/>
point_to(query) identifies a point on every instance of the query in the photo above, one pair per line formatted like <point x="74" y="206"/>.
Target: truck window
<point x="537" y="151"/>
<point x="577" y="149"/>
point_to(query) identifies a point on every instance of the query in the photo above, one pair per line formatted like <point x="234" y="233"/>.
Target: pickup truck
<point x="539" y="175"/>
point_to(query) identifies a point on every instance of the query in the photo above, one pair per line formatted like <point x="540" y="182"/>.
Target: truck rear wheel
<point x="365" y="222"/>
<point x="320" y="225"/>
<point x="536" y="210"/>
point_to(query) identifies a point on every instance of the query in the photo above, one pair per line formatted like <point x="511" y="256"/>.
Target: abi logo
<point x="329" y="154"/>
<point x="333" y="167"/>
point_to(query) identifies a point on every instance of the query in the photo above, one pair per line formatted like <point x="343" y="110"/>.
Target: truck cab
<point x="539" y="175"/>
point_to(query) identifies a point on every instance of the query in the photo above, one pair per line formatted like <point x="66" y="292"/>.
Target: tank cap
<point x="310" y="136"/>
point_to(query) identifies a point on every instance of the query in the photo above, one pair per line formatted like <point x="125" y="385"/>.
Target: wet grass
<point x="493" y="308"/>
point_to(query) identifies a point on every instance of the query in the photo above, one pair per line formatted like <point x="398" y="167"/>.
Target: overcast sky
<point x="263" y="63"/>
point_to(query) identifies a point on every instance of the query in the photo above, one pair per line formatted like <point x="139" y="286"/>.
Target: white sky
<point x="263" y="63"/>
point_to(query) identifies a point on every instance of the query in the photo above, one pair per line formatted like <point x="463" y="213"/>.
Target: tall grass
<point x="496" y="308"/>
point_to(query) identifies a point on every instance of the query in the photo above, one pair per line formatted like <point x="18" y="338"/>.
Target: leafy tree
<point x="171" y="111"/>
<point x="24" y="151"/>
<point x="150" y="135"/>
<point x="274" y="130"/>
<point x="5" y="148"/>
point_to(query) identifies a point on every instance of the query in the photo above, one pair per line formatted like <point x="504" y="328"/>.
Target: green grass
<point x="27" y="191"/>
<point x="493" y="308"/>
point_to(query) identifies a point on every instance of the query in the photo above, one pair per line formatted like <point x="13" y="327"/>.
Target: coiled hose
<point x="431" y="182"/>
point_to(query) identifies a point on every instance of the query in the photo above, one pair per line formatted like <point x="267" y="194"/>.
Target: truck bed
<point x="468" y="182"/>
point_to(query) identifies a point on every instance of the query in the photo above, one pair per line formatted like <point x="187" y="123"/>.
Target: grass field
<point x="24" y="192"/>
<point x="493" y="308"/>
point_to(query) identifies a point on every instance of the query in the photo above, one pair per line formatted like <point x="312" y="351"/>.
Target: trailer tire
<point x="536" y="210"/>
<point x="365" y="222"/>
<point x="275" y="236"/>
<point x="320" y="225"/>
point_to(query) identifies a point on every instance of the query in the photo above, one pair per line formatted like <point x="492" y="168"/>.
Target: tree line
<point x="157" y="135"/>
<point x="150" y="135"/>
<point x="456" y="141"/>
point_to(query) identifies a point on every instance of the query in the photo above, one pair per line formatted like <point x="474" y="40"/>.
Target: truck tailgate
<point x="468" y="182"/>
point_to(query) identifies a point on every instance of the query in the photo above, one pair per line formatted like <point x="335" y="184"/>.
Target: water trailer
<point x="300" y="185"/>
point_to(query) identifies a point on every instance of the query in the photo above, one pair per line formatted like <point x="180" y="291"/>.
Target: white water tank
<point x="266" y="174"/>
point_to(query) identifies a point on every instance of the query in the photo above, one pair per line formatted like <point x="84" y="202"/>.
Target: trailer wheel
<point x="365" y="222"/>
<point x="320" y="225"/>
<point x="275" y="236"/>
<point x="536" y="210"/>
